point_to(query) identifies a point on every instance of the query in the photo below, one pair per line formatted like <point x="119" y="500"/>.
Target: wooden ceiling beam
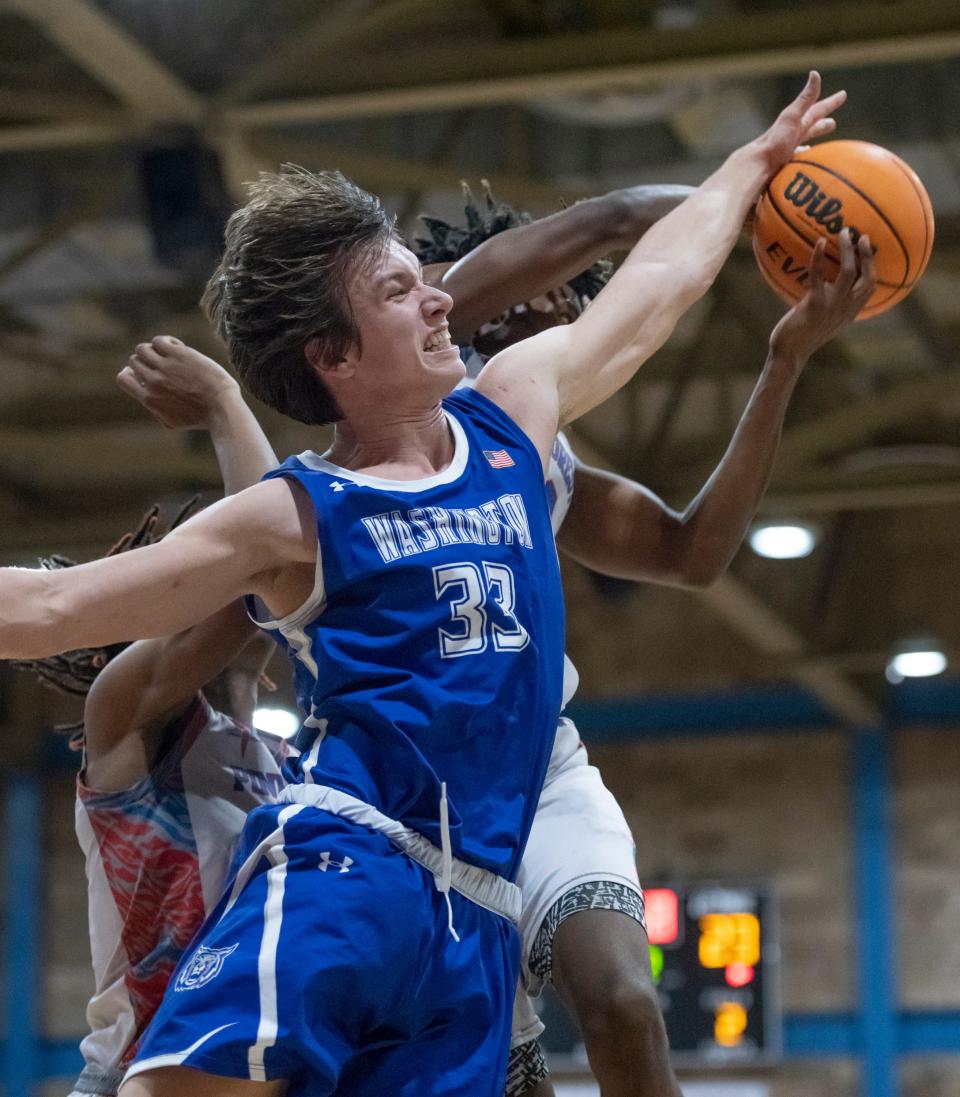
<point x="113" y="57"/>
<point x="353" y="25"/>
<point x="850" y="426"/>
<point x="769" y="635"/>
<point x="238" y="161"/>
<point x="38" y="103"/>
<point x="942" y="349"/>
<point x="529" y="68"/>
<point x="65" y="135"/>
<point x="875" y="497"/>
<point x="84" y="537"/>
<point x="91" y="208"/>
<point x="102" y="455"/>
<point x="816" y="491"/>
<point x="53" y="407"/>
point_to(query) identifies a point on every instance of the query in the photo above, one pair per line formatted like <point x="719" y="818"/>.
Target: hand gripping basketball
<point x="830" y="302"/>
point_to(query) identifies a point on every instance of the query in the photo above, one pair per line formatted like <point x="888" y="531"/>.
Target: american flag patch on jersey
<point x="499" y="458"/>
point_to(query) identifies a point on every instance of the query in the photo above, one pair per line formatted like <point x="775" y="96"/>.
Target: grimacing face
<point x="559" y="306"/>
<point x="405" y="337"/>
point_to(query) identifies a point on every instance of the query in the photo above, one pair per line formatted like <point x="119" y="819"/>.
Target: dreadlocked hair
<point x="447" y="243"/>
<point x="74" y="672"/>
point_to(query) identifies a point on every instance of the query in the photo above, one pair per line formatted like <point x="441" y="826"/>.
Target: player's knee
<point x="629" y="1011"/>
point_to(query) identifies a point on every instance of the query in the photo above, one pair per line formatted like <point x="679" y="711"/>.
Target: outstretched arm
<point x="618" y="527"/>
<point x="248" y="543"/>
<point x="559" y="374"/>
<point x="524" y="262"/>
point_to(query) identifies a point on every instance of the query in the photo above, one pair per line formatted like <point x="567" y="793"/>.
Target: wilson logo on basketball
<point x="804" y="193"/>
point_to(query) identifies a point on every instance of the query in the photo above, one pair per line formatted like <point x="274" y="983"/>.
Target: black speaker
<point x="187" y="204"/>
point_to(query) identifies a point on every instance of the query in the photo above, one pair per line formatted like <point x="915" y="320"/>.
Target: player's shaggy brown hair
<point x="291" y="254"/>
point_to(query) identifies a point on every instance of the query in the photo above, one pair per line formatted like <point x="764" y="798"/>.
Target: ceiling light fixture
<point x="784" y="540"/>
<point x="917" y="659"/>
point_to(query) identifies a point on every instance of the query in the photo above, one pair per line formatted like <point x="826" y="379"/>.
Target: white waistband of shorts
<point x="479" y="885"/>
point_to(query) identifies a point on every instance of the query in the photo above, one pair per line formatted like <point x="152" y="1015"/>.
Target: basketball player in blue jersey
<point x="366" y="945"/>
<point x="582" y="923"/>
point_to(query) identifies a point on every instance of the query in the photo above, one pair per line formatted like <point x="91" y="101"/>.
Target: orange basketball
<point x="837" y="185"/>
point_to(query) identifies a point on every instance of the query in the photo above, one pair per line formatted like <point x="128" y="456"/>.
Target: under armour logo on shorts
<point x="205" y="964"/>
<point x="326" y="861"/>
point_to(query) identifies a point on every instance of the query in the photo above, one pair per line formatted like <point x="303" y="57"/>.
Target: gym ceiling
<point x="103" y="104"/>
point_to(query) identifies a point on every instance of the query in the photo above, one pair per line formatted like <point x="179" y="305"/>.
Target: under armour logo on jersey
<point x="499" y="458"/>
<point x="326" y="861"/>
<point x="205" y="964"/>
<point x="337" y="486"/>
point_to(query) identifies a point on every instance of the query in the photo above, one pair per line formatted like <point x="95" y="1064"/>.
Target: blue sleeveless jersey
<point x="431" y="649"/>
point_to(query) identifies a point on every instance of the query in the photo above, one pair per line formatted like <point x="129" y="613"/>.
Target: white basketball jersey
<point x="157" y="857"/>
<point x="560" y="496"/>
<point x="560" y="481"/>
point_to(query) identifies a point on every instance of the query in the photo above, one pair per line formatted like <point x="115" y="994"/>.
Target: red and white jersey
<point x="157" y="857"/>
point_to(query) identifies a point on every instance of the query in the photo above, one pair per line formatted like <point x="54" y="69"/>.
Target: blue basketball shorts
<point x="329" y="962"/>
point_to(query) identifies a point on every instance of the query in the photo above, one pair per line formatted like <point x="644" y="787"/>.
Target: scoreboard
<point x="715" y="956"/>
<point x="715" y="959"/>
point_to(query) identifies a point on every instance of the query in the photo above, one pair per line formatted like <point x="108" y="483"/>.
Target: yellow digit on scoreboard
<point x="730" y="1024"/>
<point x="729" y="939"/>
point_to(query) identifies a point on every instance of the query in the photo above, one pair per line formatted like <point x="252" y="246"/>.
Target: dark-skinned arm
<point x="522" y="263"/>
<point x="152" y="683"/>
<point x="620" y="528"/>
<point x="148" y="686"/>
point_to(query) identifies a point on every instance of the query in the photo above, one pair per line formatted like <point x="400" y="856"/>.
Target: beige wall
<point x="927" y="828"/>
<point x="926" y="1077"/>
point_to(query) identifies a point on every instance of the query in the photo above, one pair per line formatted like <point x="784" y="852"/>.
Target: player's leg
<point x="221" y="1026"/>
<point x="601" y="970"/>
<point x="177" y="1081"/>
<point x="543" y="1088"/>
<point x="580" y="888"/>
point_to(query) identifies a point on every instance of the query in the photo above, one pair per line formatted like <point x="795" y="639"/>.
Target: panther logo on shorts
<point x="205" y="964"/>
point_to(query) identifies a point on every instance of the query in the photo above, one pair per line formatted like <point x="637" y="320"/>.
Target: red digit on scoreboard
<point x="662" y="910"/>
